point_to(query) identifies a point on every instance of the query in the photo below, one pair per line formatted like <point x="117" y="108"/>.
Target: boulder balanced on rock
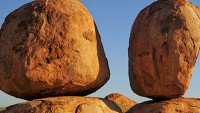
<point x="51" y="48"/>
<point x="164" y="44"/>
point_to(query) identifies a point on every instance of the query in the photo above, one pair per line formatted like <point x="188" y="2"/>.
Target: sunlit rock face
<point x="164" y="44"/>
<point x="51" y="48"/>
<point x="65" y="105"/>
<point x="178" y="105"/>
<point x="122" y="101"/>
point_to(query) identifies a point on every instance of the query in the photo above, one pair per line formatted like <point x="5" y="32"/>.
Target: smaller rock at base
<point x="178" y="105"/>
<point x="122" y="101"/>
<point x="89" y="108"/>
<point x="69" y="104"/>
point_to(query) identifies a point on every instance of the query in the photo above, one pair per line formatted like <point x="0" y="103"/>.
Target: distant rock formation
<point x="164" y="45"/>
<point x="51" y="48"/>
<point x="65" y="105"/>
<point x="122" y="101"/>
<point x="178" y="105"/>
<point x="2" y="108"/>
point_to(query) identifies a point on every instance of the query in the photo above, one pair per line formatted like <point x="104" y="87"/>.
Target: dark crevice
<point x="155" y="63"/>
<point x="193" y="41"/>
<point x="48" y="60"/>
<point x="166" y="47"/>
<point x="155" y="7"/>
<point x="135" y="76"/>
<point x="61" y="34"/>
<point x="197" y="14"/>
<point x="153" y="11"/>
<point x="143" y="54"/>
<point x="50" y="49"/>
<point x="76" y="51"/>
<point x="161" y="57"/>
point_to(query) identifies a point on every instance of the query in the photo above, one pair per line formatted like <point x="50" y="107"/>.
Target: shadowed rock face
<point x="51" y="48"/>
<point x="178" y="105"/>
<point x="164" y="44"/>
<point x="65" y="105"/>
<point x="122" y="101"/>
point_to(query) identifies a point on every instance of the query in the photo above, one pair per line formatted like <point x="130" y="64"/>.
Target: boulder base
<point x="178" y="105"/>
<point x="65" y="105"/>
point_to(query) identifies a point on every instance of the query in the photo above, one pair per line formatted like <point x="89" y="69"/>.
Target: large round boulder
<point x="163" y="48"/>
<point x="65" y="105"/>
<point x="51" y="48"/>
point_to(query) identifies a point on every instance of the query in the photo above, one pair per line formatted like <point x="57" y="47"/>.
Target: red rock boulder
<point x="163" y="48"/>
<point x="51" y="48"/>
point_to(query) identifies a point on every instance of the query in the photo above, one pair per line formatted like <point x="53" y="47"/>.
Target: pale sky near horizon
<point x="114" y="19"/>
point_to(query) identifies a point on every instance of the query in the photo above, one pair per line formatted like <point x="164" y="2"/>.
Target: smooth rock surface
<point x="163" y="47"/>
<point x="65" y="105"/>
<point x="178" y="105"/>
<point x="122" y="101"/>
<point x="51" y="48"/>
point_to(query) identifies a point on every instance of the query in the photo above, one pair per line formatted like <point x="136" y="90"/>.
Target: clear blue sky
<point x="114" y="19"/>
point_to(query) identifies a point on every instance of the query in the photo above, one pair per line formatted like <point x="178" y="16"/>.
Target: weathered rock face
<point x="51" y="48"/>
<point x="164" y="45"/>
<point x="179" y="105"/>
<point x="65" y="105"/>
<point x="122" y="101"/>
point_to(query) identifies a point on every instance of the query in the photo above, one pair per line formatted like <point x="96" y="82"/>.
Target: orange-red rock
<point x="122" y="101"/>
<point x="164" y="44"/>
<point x="178" y="105"/>
<point x="51" y="48"/>
<point x="65" y="105"/>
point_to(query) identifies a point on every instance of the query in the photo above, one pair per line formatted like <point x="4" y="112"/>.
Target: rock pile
<point x="164" y="45"/>
<point x="52" y="48"/>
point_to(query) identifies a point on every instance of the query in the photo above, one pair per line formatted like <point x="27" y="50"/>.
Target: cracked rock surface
<point x="69" y="104"/>
<point x="164" y="45"/>
<point x="122" y="101"/>
<point x="51" y="48"/>
<point x="178" y="105"/>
